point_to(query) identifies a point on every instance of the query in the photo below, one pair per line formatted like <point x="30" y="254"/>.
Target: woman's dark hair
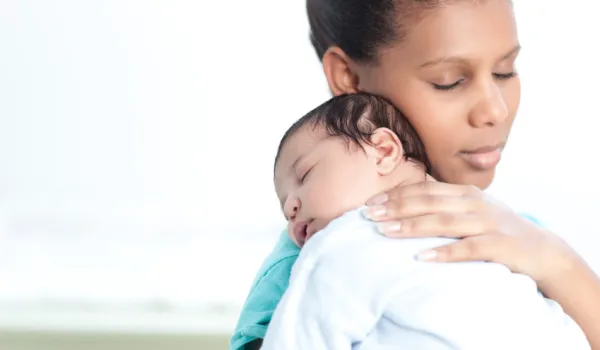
<point x="355" y="117"/>
<point x="361" y="27"/>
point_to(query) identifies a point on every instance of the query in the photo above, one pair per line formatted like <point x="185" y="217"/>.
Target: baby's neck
<point x="407" y="173"/>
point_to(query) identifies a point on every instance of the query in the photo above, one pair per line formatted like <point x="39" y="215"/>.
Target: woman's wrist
<point x="561" y="262"/>
<point x="565" y="268"/>
<point x="577" y="290"/>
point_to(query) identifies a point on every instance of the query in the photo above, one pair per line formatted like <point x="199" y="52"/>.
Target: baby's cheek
<point x="321" y="201"/>
<point x="346" y="197"/>
<point x="324" y="201"/>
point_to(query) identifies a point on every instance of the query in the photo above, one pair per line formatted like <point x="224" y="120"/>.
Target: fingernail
<point x="374" y="212"/>
<point x="428" y="255"/>
<point x="387" y="228"/>
<point x="378" y="199"/>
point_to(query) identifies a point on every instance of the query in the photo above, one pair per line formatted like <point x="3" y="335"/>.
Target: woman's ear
<point x="386" y="150"/>
<point x="338" y="71"/>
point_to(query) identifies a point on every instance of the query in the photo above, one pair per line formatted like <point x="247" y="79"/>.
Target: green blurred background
<point x="67" y="326"/>
<point x="100" y="341"/>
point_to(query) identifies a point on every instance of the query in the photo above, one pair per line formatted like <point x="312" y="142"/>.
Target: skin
<point x="478" y="112"/>
<point x="471" y="47"/>
<point x="312" y="182"/>
<point x="472" y="44"/>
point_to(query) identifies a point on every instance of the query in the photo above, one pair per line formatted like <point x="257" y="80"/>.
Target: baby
<point x="352" y="288"/>
<point x="339" y="155"/>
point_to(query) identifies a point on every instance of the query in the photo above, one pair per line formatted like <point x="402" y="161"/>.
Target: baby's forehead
<point x="296" y="145"/>
<point x="302" y="142"/>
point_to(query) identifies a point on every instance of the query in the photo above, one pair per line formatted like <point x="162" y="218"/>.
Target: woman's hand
<point x="489" y="230"/>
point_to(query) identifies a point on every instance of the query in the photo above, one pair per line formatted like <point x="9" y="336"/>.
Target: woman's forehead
<point x="474" y="30"/>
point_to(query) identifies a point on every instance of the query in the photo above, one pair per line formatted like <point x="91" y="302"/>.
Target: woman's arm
<point x="348" y="277"/>
<point x="490" y="231"/>
<point x="578" y="292"/>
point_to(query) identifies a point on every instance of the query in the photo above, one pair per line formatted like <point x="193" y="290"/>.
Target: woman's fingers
<point x="407" y="207"/>
<point x="476" y="248"/>
<point x="448" y="225"/>
<point x="429" y="188"/>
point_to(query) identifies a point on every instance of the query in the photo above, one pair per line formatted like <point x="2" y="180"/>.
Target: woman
<point x="450" y="67"/>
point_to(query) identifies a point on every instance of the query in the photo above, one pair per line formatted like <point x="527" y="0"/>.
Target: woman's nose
<point x="490" y="108"/>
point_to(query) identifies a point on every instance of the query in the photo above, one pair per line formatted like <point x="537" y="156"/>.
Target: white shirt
<point x="352" y="288"/>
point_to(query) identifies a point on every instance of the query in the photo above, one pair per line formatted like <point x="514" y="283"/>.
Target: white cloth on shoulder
<point x="352" y="288"/>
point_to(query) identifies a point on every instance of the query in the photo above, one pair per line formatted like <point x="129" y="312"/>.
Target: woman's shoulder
<point x="531" y="218"/>
<point x="281" y="258"/>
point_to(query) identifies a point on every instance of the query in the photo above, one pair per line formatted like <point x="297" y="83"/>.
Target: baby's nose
<point x="292" y="207"/>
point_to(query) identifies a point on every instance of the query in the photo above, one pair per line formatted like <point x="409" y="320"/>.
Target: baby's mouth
<point x="310" y="231"/>
<point x="301" y="232"/>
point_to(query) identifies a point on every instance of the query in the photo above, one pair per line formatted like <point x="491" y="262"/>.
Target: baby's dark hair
<point x="355" y="117"/>
<point x="362" y="27"/>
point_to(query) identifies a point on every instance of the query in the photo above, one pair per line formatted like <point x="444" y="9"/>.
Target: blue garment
<point x="267" y="290"/>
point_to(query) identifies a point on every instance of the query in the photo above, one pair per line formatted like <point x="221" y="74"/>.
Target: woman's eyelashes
<point x="504" y="76"/>
<point x="498" y="76"/>
<point x="449" y="86"/>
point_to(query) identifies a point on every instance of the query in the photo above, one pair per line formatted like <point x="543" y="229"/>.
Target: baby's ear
<point x="386" y="150"/>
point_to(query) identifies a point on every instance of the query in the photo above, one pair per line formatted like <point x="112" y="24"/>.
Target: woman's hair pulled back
<point x="361" y="27"/>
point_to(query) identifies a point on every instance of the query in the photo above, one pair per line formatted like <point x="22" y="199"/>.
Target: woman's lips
<point x="483" y="159"/>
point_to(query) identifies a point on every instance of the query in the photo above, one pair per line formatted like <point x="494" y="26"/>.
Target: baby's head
<point x="339" y="155"/>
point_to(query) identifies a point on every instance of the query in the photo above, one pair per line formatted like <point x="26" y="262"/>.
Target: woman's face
<point x="453" y="76"/>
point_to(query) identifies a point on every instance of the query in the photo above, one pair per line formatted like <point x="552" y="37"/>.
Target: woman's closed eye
<point x="448" y="86"/>
<point x="499" y="76"/>
<point x="505" y="76"/>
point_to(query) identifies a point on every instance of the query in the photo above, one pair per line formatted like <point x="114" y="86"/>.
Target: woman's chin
<point x="480" y="179"/>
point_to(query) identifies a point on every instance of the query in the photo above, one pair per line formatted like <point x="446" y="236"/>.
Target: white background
<point x="137" y="140"/>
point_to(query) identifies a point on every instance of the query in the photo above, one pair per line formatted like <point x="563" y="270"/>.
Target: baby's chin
<point x="316" y="226"/>
<point x="319" y="224"/>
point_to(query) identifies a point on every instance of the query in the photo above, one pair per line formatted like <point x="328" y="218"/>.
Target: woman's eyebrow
<point x="459" y="59"/>
<point x="512" y="52"/>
